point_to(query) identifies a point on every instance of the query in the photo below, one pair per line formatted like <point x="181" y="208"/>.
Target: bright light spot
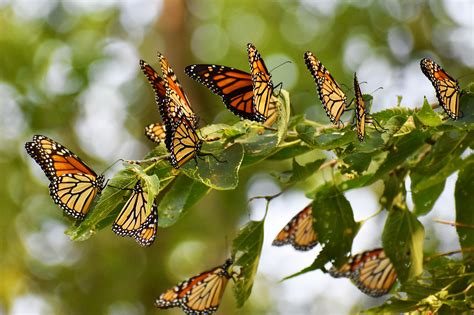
<point x="12" y="122"/>
<point x="326" y="8"/>
<point x="30" y="305"/>
<point x="356" y="50"/>
<point x="29" y="10"/>
<point x="136" y="16"/>
<point x="209" y="42"/>
<point x="58" y="80"/>
<point x="461" y="11"/>
<point x="50" y="245"/>
<point x="400" y="41"/>
<point x="125" y="308"/>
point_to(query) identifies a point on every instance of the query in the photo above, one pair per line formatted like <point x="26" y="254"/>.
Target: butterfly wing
<point x="299" y="231"/>
<point x="273" y="112"/>
<point x="360" y="110"/>
<point x="183" y="144"/>
<point x="371" y="271"/>
<point x="74" y="193"/>
<point x="233" y="85"/>
<point x="331" y="95"/>
<point x="155" y="80"/>
<point x="73" y="185"/>
<point x="156" y="132"/>
<point x="179" y="105"/>
<point x="261" y="82"/>
<point x="147" y="234"/>
<point x="447" y="88"/>
<point x="199" y="295"/>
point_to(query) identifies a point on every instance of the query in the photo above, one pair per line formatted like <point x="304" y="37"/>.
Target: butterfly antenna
<point x="109" y="167"/>
<point x="281" y="64"/>
<point x="379" y="88"/>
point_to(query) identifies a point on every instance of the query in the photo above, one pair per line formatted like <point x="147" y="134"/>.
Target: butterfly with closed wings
<point x="73" y="185"/>
<point x="201" y="294"/>
<point x="299" y="231"/>
<point x="330" y="93"/>
<point x="134" y="221"/>
<point x="447" y="89"/>
<point x="371" y="271"/>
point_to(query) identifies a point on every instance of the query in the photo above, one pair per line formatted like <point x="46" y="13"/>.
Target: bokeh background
<point x="69" y="70"/>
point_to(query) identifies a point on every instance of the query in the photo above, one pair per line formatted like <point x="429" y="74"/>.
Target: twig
<point x="151" y="160"/>
<point x="454" y="223"/>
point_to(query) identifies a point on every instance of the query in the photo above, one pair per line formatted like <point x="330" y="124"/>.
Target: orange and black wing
<point x="179" y="105"/>
<point x="73" y="185"/>
<point x="199" y="295"/>
<point x="156" y="132"/>
<point x="262" y="83"/>
<point x="183" y="143"/>
<point x="360" y="110"/>
<point x="233" y="85"/>
<point x="156" y="82"/>
<point x="331" y="95"/>
<point x="299" y="231"/>
<point x="134" y="219"/>
<point x="371" y="271"/>
<point x="447" y="88"/>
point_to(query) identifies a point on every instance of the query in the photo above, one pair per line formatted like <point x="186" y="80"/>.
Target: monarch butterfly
<point x="261" y="82"/>
<point x="73" y="185"/>
<point x="133" y="219"/>
<point x="179" y="106"/>
<point x="199" y="295"/>
<point x="361" y="114"/>
<point x="447" y="88"/>
<point x="170" y="112"/>
<point x="184" y="143"/>
<point x="331" y="95"/>
<point x="156" y="132"/>
<point x="371" y="271"/>
<point x="299" y="231"/>
<point x="233" y="85"/>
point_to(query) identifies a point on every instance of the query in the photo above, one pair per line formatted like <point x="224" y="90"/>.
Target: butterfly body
<point x="199" y="295"/>
<point x="330" y="93"/>
<point x="447" y="88"/>
<point x="73" y="185"/>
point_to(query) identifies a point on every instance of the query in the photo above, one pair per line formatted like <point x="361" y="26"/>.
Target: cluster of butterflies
<point x="74" y="185"/>
<point x="371" y="271"/>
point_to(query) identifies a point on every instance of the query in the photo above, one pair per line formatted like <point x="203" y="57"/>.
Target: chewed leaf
<point x="246" y="250"/>
<point x="220" y="171"/>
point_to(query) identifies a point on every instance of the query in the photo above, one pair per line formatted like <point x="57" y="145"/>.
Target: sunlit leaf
<point x="246" y="250"/>
<point x="220" y="175"/>
<point x="424" y="199"/>
<point x="326" y="139"/>
<point x="299" y="172"/>
<point x="427" y="116"/>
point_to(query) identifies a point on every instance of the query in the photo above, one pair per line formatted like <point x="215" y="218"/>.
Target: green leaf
<point x="427" y="116"/>
<point x="424" y="199"/>
<point x="399" y="153"/>
<point x="327" y="139"/>
<point x="403" y="242"/>
<point x="464" y="198"/>
<point x="299" y="172"/>
<point x="334" y="223"/>
<point x="284" y="115"/>
<point x="394" y="189"/>
<point x="220" y="175"/>
<point x="289" y="150"/>
<point x="246" y="250"/>
<point x="357" y="162"/>
<point x="183" y="193"/>
<point x="111" y="199"/>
